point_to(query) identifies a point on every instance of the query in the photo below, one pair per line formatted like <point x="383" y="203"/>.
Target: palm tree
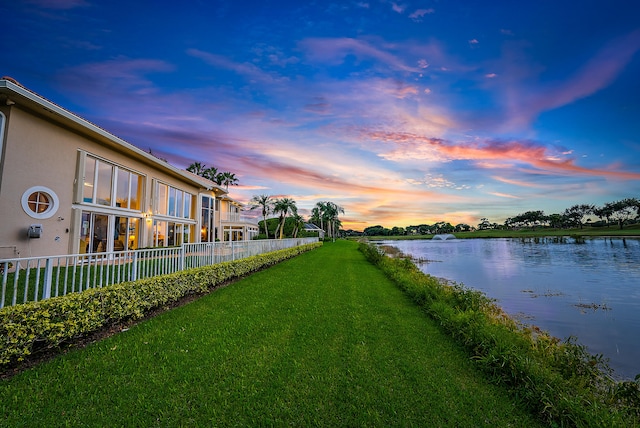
<point x="284" y="206"/>
<point x="318" y="213"/>
<point x="201" y="169"/>
<point x="210" y="173"/>
<point x="196" y="168"/>
<point x="266" y="203"/>
<point x="326" y="213"/>
<point x="331" y="212"/>
<point x="226" y="178"/>
<point x="297" y="222"/>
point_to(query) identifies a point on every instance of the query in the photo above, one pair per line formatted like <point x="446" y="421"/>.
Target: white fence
<point x="38" y="278"/>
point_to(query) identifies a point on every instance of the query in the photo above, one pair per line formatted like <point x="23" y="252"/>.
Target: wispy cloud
<point x="58" y="4"/>
<point x="333" y="51"/>
<point x="120" y="74"/>
<point x="245" y="69"/>
<point x="399" y="8"/>
<point x="419" y="14"/>
<point x="412" y="147"/>
<point x="526" y="100"/>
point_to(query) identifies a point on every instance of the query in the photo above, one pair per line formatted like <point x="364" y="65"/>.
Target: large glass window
<point x="173" y="202"/>
<point x="111" y="185"/>
<point x="103" y="186"/>
<point x="89" y="179"/>
<point x="101" y="233"/>
<point x="187" y="205"/>
<point x="207" y="231"/>
<point x="123" y="188"/>
<point x="169" y="233"/>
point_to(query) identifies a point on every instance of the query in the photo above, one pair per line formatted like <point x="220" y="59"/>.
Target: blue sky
<point x="401" y="112"/>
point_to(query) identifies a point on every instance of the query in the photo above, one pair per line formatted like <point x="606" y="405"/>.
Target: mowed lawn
<point x="324" y="339"/>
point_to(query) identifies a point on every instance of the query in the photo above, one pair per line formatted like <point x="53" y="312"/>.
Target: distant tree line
<point x="619" y="213"/>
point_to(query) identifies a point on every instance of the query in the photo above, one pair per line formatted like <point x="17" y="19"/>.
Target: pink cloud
<point x="412" y="147"/>
<point x="598" y="73"/>
<point x="334" y="50"/>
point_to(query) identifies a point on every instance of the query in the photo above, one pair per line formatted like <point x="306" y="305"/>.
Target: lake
<point x="589" y="290"/>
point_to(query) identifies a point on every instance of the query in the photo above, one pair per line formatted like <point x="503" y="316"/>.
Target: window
<point x="111" y="185"/>
<point x="169" y="234"/>
<point x="40" y="202"/>
<point x="173" y="202"/>
<point x="102" y="232"/>
<point x="207" y="231"/>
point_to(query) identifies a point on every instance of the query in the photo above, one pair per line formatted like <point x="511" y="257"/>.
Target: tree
<point x="557" y="220"/>
<point x="266" y="204"/>
<point x="201" y="169"/>
<point x="576" y="213"/>
<point x="604" y="212"/>
<point x="326" y="214"/>
<point x="624" y="210"/>
<point x="227" y="178"/>
<point x="484" y="224"/>
<point x="297" y="222"/>
<point x="284" y="206"/>
<point x="332" y="211"/>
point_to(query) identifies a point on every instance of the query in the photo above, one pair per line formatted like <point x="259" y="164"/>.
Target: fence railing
<point x="38" y="278"/>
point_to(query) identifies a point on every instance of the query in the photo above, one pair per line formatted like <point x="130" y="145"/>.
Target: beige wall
<point x="38" y="152"/>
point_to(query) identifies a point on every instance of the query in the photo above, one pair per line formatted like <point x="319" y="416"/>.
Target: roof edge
<point x="16" y="88"/>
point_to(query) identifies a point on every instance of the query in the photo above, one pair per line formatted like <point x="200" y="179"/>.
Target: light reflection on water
<point x="552" y="284"/>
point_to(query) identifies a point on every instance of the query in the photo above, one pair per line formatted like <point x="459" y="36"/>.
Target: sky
<point x="401" y="112"/>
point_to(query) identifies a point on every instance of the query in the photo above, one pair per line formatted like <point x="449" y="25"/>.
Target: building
<point x="68" y="186"/>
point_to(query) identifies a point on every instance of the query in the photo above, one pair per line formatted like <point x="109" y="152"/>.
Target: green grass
<point x="323" y="339"/>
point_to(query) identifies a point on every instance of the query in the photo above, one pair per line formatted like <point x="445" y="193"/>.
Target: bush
<point x="48" y="323"/>
<point x="560" y="381"/>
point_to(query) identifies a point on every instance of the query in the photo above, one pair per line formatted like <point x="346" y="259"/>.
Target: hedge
<point x="49" y="323"/>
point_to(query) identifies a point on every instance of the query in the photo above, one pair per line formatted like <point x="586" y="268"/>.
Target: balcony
<point x="238" y="218"/>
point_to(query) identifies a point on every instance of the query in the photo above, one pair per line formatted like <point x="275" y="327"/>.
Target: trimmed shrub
<point x="48" y="323"/>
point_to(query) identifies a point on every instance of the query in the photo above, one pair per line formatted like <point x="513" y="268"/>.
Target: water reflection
<point x="589" y="289"/>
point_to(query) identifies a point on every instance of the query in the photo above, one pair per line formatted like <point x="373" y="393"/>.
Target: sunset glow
<point x="402" y="113"/>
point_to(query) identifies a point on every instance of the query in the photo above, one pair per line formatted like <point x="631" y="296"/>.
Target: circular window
<point x="40" y="202"/>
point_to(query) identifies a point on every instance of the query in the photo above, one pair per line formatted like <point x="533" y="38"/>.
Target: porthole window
<point x="40" y="202"/>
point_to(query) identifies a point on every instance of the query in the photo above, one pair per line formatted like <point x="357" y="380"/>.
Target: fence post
<point x="134" y="267"/>
<point x="182" y="257"/>
<point x="233" y="252"/>
<point x="48" y="272"/>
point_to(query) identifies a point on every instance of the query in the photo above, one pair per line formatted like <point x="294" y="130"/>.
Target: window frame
<point x="133" y="193"/>
<point x="172" y="202"/>
<point x="49" y="212"/>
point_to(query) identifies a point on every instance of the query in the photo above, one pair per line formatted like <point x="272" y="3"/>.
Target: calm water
<point x="549" y="283"/>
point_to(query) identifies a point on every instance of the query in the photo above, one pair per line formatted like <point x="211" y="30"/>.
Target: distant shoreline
<point x="632" y="231"/>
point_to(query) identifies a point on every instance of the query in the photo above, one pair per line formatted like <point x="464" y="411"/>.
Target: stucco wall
<point x="41" y="153"/>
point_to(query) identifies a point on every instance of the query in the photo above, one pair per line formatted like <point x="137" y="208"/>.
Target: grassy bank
<point x="322" y="339"/>
<point x="560" y="381"/>
<point x="631" y="231"/>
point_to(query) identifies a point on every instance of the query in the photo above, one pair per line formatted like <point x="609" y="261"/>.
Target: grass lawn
<point x="322" y="339"/>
